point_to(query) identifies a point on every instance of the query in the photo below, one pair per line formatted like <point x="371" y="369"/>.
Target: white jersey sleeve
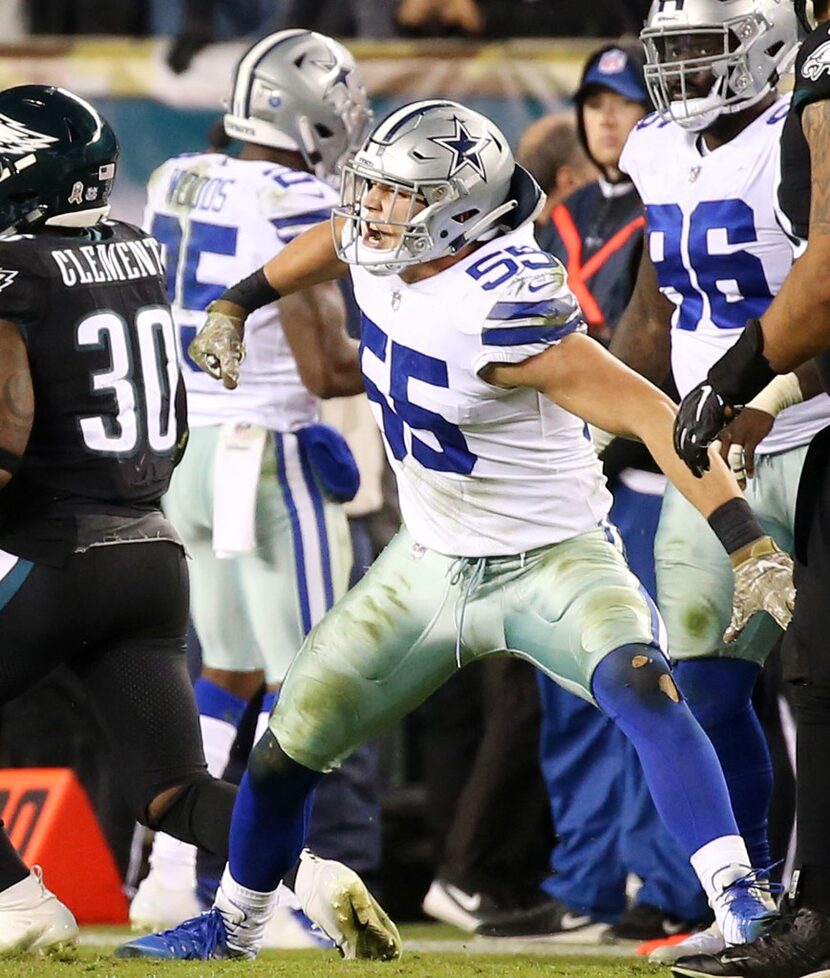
<point x="533" y="312"/>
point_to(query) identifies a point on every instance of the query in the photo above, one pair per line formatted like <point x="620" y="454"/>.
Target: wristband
<point x="735" y="525"/>
<point x="743" y="370"/>
<point x="9" y="461"/>
<point x="252" y="292"/>
<point x="780" y="393"/>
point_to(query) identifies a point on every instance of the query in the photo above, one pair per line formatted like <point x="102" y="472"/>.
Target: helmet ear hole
<point x="323" y="131"/>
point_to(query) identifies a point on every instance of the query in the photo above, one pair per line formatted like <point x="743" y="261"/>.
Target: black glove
<point x="702" y="415"/>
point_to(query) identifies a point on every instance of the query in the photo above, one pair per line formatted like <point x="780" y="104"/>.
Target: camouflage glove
<point x="218" y="348"/>
<point x="763" y="582"/>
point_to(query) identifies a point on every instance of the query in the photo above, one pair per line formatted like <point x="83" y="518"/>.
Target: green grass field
<point x="429" y="952"/>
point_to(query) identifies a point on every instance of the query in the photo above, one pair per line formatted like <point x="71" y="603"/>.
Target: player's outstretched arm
<point x="308" y="260"/>
<point x="17" y="402"/>
<point x="582" y="377"/>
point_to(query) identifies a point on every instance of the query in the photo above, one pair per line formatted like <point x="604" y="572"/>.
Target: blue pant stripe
<point x="320" y="517"/>
<point x="296" y="533"/>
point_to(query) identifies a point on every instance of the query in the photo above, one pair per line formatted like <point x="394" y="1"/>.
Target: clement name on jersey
<point x="92" y="311"/>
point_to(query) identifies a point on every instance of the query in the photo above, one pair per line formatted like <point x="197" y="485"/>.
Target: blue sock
<point x="679" y="762"/>
<point x="269" y="821"/>
<point x="214" y="701"/>
<point x="719" y="693"/>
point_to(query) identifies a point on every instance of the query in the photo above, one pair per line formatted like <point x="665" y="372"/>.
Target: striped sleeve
<point x="525" y="323"/>
<point x="292" y="225"/>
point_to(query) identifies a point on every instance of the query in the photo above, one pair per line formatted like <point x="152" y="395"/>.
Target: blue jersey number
<point x="734" y="221"/>
<point x="398" y="411"/>
<point x="495" y="269"/>
<point x="183" y="285"/>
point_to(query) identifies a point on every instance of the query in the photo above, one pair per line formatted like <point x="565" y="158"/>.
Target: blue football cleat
<point x="200" y="939"/>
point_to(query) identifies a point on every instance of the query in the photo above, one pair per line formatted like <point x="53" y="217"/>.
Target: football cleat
<point x="33" y="919"/>
<point x="336" y="899"/>
<point x="157" y="905"/>
<point x="794" y="946"/>
<point x="709" y="941"/>
<point x="743" y="909"/>
<point x="201" y="939"/>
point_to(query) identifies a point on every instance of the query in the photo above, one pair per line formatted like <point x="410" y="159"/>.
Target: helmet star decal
<point x="342" y="77"/>
<point x="465" y="148"/>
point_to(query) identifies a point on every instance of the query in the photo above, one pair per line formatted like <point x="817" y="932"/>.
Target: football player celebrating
<point x="705" y="166"/>
<point x="795" y="327"/>
<point x="474" y="357"/>
<point x="259" y="584"/>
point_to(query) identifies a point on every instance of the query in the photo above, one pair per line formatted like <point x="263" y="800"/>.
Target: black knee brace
<point x="199" y="813"/>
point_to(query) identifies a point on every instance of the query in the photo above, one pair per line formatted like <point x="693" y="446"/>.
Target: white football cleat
<point x="158" y="905"/>
<point x="709" y="941"/>
<point x="336" y="899"/>
<point x="33" y="919"/>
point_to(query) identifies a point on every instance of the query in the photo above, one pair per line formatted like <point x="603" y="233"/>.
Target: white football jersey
<point x="481" y="471"/>
<point x="220" y="219"/>
<point x="719" y="251"/>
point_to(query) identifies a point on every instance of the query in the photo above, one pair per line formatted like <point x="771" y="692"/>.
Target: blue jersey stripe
<point x="519" y="335"/>
<point x="526" y="310"/>
<point x="298" y="220"/>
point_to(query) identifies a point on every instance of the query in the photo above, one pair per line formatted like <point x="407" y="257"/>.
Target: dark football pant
<point x="116" y="616"/>
<point x="806" y="656"/>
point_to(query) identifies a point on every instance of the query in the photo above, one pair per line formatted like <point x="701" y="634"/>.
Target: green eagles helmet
<point x="57" y="159"/>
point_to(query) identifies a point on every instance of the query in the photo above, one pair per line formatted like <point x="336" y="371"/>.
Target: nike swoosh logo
<point x="471" y="902"/>
<point x="570" y="921"/>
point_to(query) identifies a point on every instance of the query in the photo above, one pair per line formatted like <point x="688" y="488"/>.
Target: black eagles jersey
<point x="109" y="407"/>
<point x="812" y="84"/>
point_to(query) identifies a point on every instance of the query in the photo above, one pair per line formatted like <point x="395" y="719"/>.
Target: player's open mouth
<point x="373" y="237"/>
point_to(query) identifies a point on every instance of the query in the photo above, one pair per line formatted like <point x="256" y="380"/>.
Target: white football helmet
<point x="300" y="90"/>
<point x="752" y="43"/>
<point x="456" y="171"/>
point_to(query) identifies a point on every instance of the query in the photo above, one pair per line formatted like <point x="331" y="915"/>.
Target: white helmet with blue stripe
<point x="457" y="171"/>
<point x="302" y="91"/>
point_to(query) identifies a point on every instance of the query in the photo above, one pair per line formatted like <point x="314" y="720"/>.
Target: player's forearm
<point x="797" y="324"/>
<point x="307" y="260"/>
<point x="718" y="486"/>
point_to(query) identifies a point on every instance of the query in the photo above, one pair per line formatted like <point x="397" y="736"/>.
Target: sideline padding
<point x="51" y="823"/>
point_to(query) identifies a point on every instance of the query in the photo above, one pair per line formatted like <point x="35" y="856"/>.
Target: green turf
<point x="92" y="963"/>
<point x="98" y="962"/>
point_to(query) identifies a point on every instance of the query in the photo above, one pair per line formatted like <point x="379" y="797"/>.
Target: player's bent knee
<point x="636" y="672"/>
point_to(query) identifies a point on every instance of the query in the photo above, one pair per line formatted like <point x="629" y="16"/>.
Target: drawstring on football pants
<point x="472" y="570"/>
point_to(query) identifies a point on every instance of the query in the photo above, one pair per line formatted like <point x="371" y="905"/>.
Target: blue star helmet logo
<point x="341" y="78"/>
<point x="465" y="148"/>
